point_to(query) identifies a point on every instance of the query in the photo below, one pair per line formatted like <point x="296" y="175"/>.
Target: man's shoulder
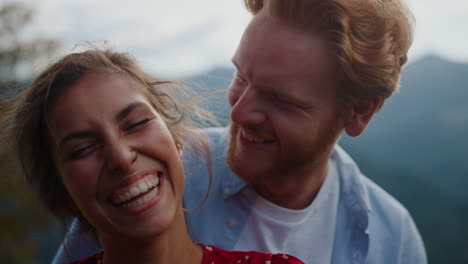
<point x="386" y="216"/>
<point x="215" y="133"/>
<point x="381" y="201"/>
<point x="217" y="137"/>
<point x="200" y="172"/>
<point x="388" y="221"/>
<point x="378" y="201"/>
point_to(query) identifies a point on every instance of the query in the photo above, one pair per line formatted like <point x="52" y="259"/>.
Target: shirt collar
<point x="230" y="183"/>
<point x="353" y="192"/>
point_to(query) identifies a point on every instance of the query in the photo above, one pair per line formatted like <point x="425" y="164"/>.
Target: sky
<point x="187" y="37"/>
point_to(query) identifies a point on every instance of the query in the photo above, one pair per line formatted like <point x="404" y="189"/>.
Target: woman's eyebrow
<point x="122" y="114"/>
<point x="75" y="135"/>
<point x="127" y="110"/>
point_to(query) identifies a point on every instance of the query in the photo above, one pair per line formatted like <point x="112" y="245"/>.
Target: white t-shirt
<point x="307" y="233"/>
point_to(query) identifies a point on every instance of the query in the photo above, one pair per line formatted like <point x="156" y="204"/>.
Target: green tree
<point x="19" y="55"/>
<point x="21" y="216"/>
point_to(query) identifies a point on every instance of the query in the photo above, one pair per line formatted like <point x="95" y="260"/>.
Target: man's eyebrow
<point x="127" y="110"/>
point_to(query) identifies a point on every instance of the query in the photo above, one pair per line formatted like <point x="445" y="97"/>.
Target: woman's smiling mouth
<point x="138" y="193"/>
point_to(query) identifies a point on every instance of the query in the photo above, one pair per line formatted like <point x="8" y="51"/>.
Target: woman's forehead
<point x="97" y="95"/>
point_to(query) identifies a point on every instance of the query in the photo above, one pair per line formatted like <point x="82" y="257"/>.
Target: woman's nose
<point x="120" y="157"/>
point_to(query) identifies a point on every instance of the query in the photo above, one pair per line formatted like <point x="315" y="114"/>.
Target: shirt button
<point x="227" y="191"/>
<point x="232" y="223"/>
<point x="362" y="225"/>
<point x="356" y="257"/>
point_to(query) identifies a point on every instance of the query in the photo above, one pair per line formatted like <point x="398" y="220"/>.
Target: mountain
<point x="416" y="148"/>
<point x="215" y="80"/>
<point x="424" y="127"/>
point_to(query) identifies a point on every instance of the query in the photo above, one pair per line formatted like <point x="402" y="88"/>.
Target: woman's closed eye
<point x="81" y="151"/>
<point x="135" y="125"/>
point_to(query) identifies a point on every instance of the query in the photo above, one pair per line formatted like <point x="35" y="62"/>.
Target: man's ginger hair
<point x="370" y="39"/>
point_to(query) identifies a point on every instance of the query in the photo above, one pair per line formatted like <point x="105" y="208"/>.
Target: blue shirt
<point x="371" y="226"/>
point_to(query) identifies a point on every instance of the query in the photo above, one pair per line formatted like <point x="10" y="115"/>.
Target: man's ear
<point x="361" y="114"/>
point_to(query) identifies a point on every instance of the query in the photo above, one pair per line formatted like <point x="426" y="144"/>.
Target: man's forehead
<point x="271" y="42"/>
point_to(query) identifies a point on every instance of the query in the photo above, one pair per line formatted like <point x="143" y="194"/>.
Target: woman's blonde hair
<point x="371" y="39"/>
<point x="24" y="119"/>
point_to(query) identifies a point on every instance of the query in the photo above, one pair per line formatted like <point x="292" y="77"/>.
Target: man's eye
<point x="280" y="100"/>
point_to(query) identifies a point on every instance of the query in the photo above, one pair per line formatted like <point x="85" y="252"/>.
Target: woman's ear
<point x="361" y="114"/>
<point x="180" y="148"/>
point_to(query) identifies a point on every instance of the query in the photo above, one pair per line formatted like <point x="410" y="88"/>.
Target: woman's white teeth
<point x="142" y="199"/>
<point x="142" y="187"/>
<point x="134" y="191"/>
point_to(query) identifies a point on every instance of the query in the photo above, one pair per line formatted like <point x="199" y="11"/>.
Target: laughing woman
<point x="101" y="140"/>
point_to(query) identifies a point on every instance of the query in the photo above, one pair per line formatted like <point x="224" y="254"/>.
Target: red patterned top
<point x="214" y="255"/>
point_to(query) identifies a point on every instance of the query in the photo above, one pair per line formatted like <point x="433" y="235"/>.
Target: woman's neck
<point x="174" y="245"/>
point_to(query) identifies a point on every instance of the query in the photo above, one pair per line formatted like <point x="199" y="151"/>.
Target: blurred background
<point x="416" y="148"/>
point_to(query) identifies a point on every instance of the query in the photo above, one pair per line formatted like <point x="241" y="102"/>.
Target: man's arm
<point x="76" y="245"/>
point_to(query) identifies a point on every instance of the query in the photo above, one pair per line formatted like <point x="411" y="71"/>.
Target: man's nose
<point x="120" y="157"/>
<point x="246" y="108"/>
